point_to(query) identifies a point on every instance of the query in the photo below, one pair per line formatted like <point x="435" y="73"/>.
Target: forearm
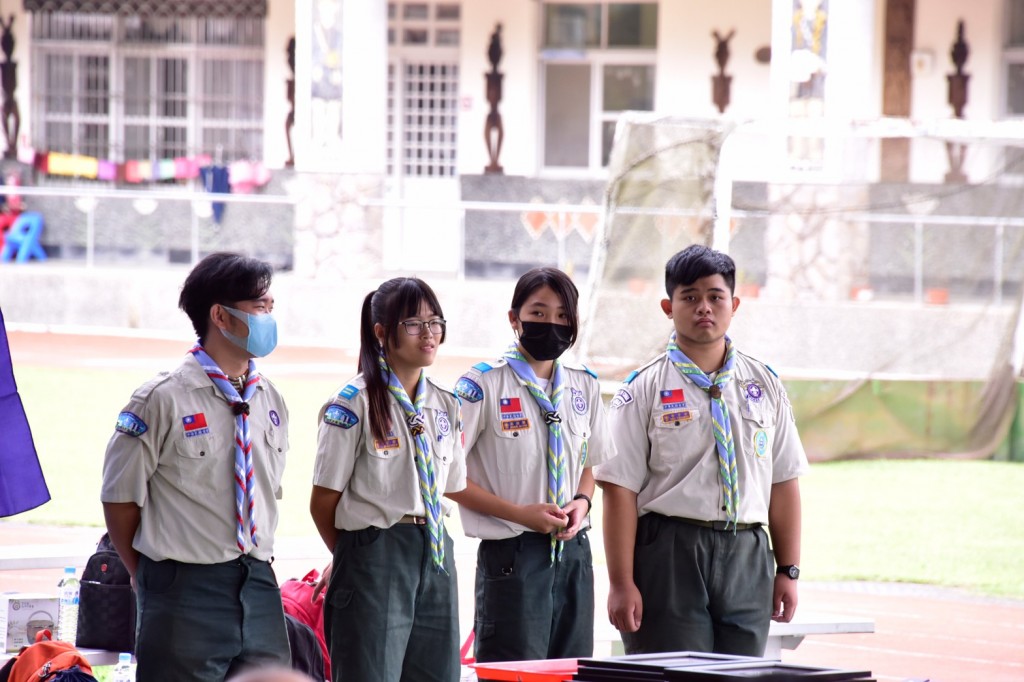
<point x="323" y="505"/>
<point x="784" y="518"/>
<point x="587" y="484"/>
<point x="620" y="520"/>
<point x="123" y="519"/>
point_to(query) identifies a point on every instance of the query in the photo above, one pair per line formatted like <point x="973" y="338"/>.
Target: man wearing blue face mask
<point x="191" y="480"/>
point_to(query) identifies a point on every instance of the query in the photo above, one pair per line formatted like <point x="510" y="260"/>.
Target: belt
<point x="718" y="525"/>
<point x="413" y="520"/>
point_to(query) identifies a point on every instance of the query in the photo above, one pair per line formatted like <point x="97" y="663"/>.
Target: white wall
<point x="519" y="105"/>
<point x="279" y="28"/>
<point x="686" y="56"/>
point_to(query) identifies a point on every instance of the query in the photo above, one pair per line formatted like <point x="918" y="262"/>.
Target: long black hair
<point x="558" y="282"/>
<point x="392" y="302"/>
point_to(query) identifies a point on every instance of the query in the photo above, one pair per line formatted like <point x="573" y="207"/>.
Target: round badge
<point x="760" y="443"/>
<point x="579" y="403"/>
<point x="754" y="391"/>
<point x="275" y="418"/>
<point x="444" y="426"/>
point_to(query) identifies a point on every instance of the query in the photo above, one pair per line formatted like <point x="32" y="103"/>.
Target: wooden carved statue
<point x="289" y="121"/>
<point x="721" y="83"/>
<point x="11" y="117"/>
<point x="957" y="81"/>
<point x="494" y="131"/>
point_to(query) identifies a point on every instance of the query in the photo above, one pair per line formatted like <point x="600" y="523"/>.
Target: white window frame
<point x="194" y="52"/>
<point x="597" y="58"/>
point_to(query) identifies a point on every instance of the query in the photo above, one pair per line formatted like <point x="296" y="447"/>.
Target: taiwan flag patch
<point x="511" y="408"/>
<point x="672" y="399"/>
<point x="195" y="425"/>
<point x="512" y="417"/>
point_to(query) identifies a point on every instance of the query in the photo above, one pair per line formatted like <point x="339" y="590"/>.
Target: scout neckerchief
<point x="549" y="406"/>
<point x="719" y="419"/>
<point x="424" y="462"/>
<point x="245" y="486"/>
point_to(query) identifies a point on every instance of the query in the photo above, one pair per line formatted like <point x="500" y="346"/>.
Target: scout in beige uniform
<point x="534" y="427"/>
<point x="390" y="445"/>
<point x="708" y="456"/>
<point x="198" y="543"/>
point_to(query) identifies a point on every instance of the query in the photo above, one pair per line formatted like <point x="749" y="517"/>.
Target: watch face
<point x="793" y="572"/>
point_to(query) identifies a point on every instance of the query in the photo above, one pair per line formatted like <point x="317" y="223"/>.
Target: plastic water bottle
<point x="124" y="671"/>
<point x="67" y="613"/>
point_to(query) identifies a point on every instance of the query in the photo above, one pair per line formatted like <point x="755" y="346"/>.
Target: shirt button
<point x="723" y="507"/>
<point x="202" y="453"/>
<point x="515" y="434"/>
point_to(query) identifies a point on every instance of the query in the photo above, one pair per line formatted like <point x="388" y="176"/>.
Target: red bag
<point x="45" y="659"/>
<point x="297" y="598"/>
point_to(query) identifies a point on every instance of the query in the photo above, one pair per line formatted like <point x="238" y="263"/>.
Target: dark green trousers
<point x="703" y="590"/>
<point x="528" y="608"/>
<point x="204" y="622"/>
<point x="389" y="615"/>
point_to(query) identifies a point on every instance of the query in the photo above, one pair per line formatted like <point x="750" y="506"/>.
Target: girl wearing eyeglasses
<point x="389" y="448"/>
<point x="534" y="426"/>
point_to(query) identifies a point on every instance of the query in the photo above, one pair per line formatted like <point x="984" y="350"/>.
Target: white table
<point x="780" y="635"/>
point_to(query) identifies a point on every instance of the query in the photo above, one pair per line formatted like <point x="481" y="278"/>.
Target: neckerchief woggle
<point x="557" y="475"/>
<point x="245" y="486"/>
<point x="424" y="462"/>
<point x="719" y="418"/>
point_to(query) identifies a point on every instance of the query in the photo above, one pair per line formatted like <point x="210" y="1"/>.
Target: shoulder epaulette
<point x="765" y="364"/>
<point x="483" y="367"/>
<point x="348" y="392"/>
<point x="441" y="387"/>
<point x="580" y="367"/>
<point x="632" y="375"/>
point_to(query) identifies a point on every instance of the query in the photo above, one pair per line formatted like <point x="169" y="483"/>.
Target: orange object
<point x="553" y="670"/>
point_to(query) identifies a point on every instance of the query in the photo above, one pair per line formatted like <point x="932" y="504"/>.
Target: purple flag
<point x="22" y="486"/>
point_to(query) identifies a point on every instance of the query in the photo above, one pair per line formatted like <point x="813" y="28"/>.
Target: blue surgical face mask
<point x="262" y="337"/>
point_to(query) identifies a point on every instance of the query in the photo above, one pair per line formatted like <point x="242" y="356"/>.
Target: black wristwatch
<point x="792" y="571"/>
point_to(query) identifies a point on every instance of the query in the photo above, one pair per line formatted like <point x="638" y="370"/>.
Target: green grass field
<point x="953" y="523"/>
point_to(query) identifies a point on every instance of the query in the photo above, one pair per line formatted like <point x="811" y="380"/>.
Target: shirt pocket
<point x="197" y="459"/>
<point x="672" y="434"/>
<point x="277" y="450"/>
<point x="759" y="433"/>
<point x="516" y="441"/>
<point x="577" y="437"/>
<point x="384" y="466"/>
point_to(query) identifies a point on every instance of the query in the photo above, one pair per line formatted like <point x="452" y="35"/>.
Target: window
<point x="423" y="87"/>
<point x="597" y="60"/>
<point x="148" y="88"/>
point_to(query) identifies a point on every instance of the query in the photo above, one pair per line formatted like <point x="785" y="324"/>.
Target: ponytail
<point x="370" y="350"/>
<point x="393" y="301"/>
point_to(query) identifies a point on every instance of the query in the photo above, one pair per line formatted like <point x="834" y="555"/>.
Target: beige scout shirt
<point x="378" y="480"/>
<point x="507" y="444"/>
<point x="661" y="424"/>
<point x="173" y="454"/>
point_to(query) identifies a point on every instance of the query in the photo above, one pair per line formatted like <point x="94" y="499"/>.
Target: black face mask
<point x="544" y="340"/>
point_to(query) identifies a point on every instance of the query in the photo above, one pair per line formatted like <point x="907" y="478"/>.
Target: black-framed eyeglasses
<point x="417" y="327"/>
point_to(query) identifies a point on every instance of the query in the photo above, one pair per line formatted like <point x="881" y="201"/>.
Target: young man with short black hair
<point x="708" y="454"/>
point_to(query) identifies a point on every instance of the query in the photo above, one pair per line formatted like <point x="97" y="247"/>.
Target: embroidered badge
<point x="275" y="418"/>
<point x="468" y="390"/>
<point x="389" y="443"/>
<point x="512" y="417"/>
<point x="444" y="426"/>
<point x="622" y="397"/>
<point x="761" y="443"/>
<point x="672" y="399"/>
<point x="579" y="403"/>
<point x="195" y="425"/>
<point x="676" y="417"/>
<point x="583" y="454"/>
<point x="337" y="415"/>
<point x="753" y="391"/>
<point x="130" y="424"/>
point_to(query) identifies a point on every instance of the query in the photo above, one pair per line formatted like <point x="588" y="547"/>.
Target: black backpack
<point x="106" y="602"/>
